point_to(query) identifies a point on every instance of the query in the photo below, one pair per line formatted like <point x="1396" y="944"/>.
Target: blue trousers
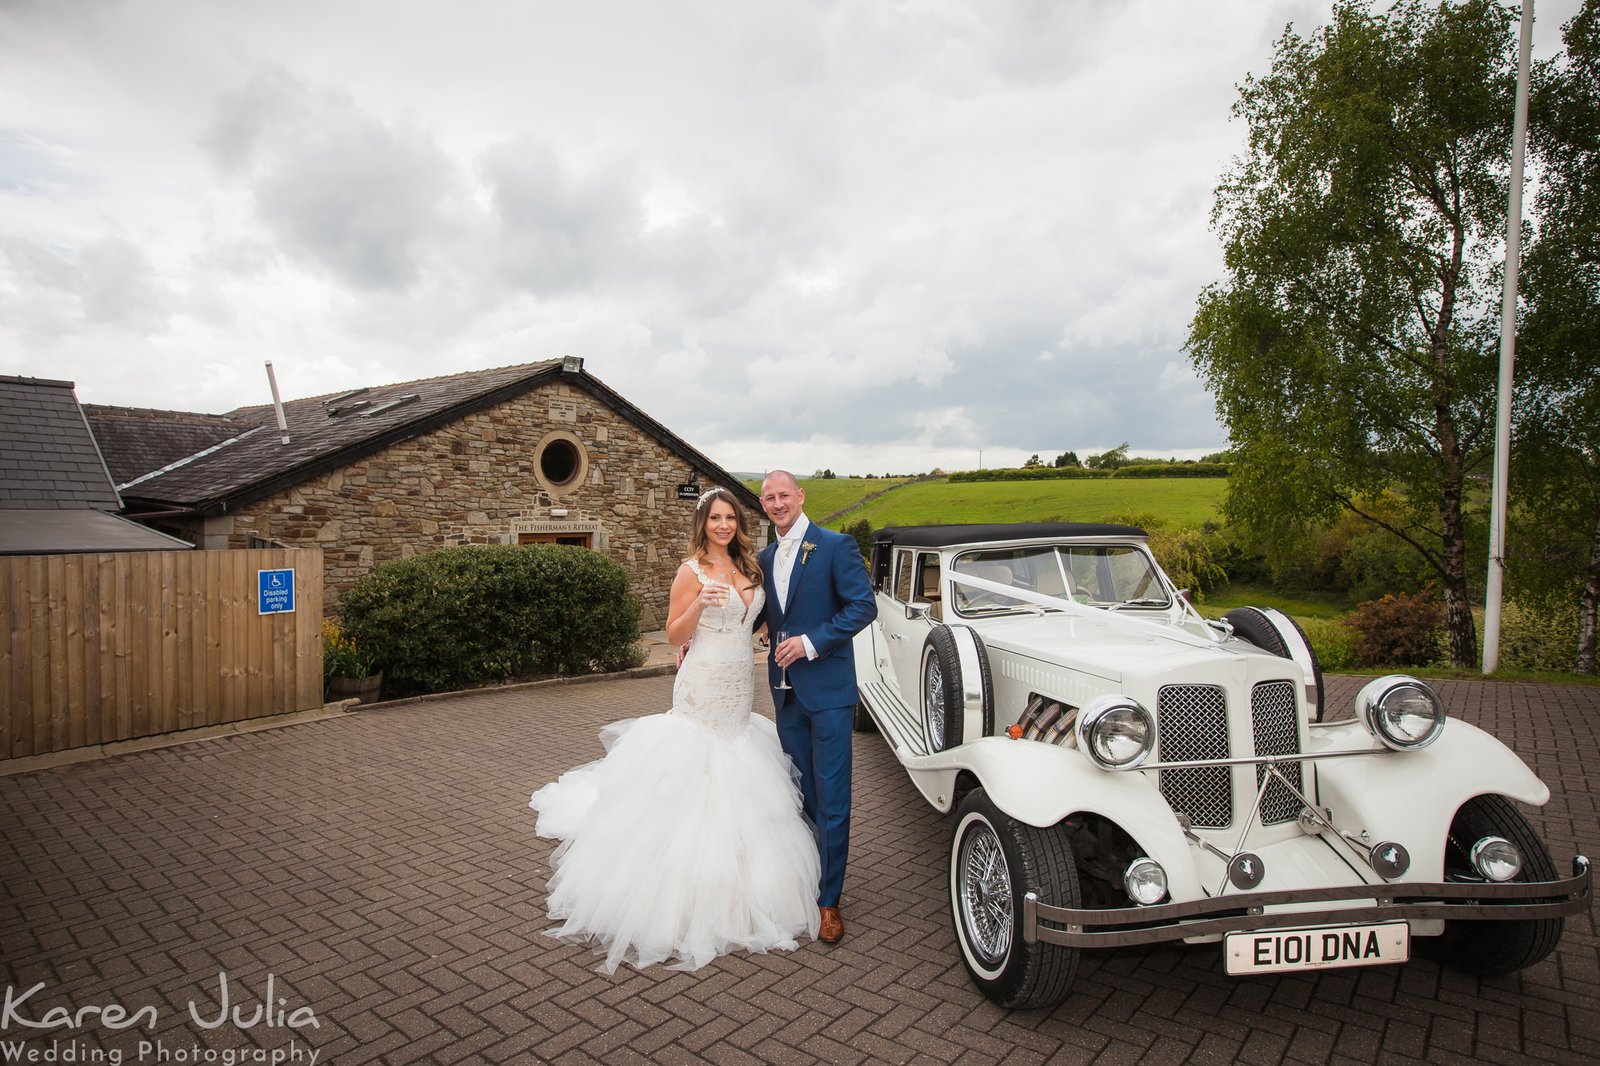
<point x="819" y="742"/>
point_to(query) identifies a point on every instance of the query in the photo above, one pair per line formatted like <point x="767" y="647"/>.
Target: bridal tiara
<point x="706" y="495"/>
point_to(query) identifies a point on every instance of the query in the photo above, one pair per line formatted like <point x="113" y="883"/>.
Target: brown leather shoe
<point x="831" y="930"/>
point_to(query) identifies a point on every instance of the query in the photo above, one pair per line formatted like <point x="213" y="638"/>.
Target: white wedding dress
<point x="687" y="840"/>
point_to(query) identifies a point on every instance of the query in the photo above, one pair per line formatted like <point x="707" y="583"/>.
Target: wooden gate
<point x="102" y="648"/>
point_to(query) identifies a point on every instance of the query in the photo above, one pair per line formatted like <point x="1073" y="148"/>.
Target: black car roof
<point x="945" y="536"/>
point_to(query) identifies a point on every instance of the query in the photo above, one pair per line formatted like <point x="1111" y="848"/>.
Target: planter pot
<point x="360" y="689"/>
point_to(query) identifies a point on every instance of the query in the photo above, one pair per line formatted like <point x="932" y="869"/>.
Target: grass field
<point x="824" y="496"/>
<point x="1299" y="605"/>
<point x="1181" y="501"/>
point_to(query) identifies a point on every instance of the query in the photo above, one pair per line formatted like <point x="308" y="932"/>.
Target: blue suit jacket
<point x="829" y="601"/>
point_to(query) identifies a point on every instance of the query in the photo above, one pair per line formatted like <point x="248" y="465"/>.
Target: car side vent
<point x="1047" y="720"/>
<point x="1193" y="725"/>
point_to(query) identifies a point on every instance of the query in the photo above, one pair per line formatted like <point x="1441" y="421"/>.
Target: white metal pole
<point x="277" y="404"/>
<point x="1508" y="353"/>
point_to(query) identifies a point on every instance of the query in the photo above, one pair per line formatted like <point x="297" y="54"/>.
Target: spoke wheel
<point x="984" y="895"/>
<point x="994" y="862"/>
<point x="943" y="694"/>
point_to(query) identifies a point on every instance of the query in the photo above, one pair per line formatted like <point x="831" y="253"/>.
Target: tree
<point x="1033" y="461"/>
<point x="1555" y="461"/>
<point x="1352" y="347"/>
<point x="1109" y="460"/>
<point x="1066" y="459"/>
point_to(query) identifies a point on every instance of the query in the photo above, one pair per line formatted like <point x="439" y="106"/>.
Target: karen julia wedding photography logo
<point x="51" y="1035"/>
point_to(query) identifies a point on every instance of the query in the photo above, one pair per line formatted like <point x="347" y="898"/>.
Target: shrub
<point x="1186" y="555"/>
<point x="861" y="530"/>
<point x="461" y="616"/>
<point x="1332" y="640"/>
<point x="1398" y="630"/>
<point x="1378" y="562"/>
<point x="1539" y="635"/>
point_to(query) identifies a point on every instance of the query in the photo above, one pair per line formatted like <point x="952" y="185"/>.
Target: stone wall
<point x="476" y="481"/>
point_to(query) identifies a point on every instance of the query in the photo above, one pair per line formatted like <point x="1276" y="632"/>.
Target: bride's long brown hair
<point x="740" y="549"/>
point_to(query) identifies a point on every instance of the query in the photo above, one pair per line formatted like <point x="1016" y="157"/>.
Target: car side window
<point x="928" y="584"/>
<point x="902" y="576"/>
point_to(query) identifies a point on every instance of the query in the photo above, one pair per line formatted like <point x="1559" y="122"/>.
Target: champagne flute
<point x="783" y="677"/>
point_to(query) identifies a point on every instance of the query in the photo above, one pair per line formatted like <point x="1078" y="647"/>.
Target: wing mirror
<point x="915" y="611"/>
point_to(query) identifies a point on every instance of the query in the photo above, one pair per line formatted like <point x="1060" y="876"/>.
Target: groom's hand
<point x="791" y="650"/>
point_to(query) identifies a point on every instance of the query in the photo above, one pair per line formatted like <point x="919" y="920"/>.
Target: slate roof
<point x="56" y="531"/>
<point x="48" y="457"/>
<point x="55" y="491"/>
<point x="333" y="430"/>
<point x="137" y="440"/>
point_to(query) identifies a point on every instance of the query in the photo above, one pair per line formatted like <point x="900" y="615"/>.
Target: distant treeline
<point x="1050" y="473"/>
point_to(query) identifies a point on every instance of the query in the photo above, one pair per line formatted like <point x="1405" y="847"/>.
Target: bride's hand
<point x="713" y="595"/>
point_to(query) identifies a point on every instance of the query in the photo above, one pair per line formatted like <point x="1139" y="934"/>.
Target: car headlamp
<point x="1401" y="712"/>
<point x="1496" y="858"/>
<point x="1145" y="881"/>
<point x="1116" y="733"/>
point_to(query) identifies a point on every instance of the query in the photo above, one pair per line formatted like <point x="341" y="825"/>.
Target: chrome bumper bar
<point x="1476" y="901"/>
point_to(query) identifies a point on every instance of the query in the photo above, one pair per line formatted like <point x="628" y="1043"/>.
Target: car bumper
<point x="1124" y="926"/>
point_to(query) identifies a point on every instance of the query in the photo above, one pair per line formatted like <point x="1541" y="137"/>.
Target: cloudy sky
<point x="870" y="236"/>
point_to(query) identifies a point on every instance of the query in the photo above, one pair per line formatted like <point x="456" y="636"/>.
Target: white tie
<point x="786" y="549"/>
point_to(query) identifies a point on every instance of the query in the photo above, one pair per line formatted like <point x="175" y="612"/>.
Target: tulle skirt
<point x="680" y="845"/>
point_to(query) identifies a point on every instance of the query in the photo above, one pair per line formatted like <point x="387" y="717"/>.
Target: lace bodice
<point x="716" y="683"/>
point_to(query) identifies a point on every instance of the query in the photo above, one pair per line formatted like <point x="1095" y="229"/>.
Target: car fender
<point x="1041" y="784"/>
<point x="1411" y="796"/>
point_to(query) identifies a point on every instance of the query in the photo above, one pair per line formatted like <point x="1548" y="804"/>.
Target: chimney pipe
<point x="277" y="404"/>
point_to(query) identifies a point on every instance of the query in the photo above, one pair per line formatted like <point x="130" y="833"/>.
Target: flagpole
<point x="1508" y="352"/>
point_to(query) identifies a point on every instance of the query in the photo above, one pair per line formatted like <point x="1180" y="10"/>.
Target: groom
<point x="818" y="594"/>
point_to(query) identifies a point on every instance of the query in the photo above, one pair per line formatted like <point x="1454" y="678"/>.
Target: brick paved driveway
<point x="382" y="868"/>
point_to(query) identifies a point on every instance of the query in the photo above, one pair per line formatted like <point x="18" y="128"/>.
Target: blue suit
<point x="829" y="601"/>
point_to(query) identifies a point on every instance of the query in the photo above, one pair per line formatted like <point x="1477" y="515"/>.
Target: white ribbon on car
<point x="1128" y="622"/>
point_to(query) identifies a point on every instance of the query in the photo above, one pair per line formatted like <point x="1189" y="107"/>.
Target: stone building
<point x="542" y="452"/>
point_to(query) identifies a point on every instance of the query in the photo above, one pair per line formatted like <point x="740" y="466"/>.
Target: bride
<point x="687" y="840"/>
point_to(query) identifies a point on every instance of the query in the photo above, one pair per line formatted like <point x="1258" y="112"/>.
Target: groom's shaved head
<point x="794" y="482"/>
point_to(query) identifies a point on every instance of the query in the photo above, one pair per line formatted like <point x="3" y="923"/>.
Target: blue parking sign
<point x="276" y="588"/>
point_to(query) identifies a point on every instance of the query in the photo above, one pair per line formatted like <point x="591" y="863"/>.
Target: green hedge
<point x="1028" y="473"/>
<point x="462" y="616"/>
<point x="1172" y="470"/>
<point x="1053" y="473"/>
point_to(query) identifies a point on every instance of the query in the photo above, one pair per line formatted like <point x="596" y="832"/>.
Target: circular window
<point x="560" y="462"/>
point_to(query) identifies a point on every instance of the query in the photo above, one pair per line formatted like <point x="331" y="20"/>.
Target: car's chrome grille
<point x="1276" y="724"/>
<point x="1194" y="726"/>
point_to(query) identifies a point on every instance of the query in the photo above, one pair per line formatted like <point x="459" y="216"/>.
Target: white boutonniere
<point x="806" y="548"/>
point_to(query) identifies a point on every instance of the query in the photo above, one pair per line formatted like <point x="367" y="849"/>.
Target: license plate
<point x="1322" y="948"/>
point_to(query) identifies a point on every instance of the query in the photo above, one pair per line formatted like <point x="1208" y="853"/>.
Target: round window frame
<point x="579" y="474"/>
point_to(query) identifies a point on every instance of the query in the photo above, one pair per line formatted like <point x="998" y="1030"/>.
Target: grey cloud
<point x="107" y="282"/>
<point x="333" y="184"/>
<point x="557" y="231"/>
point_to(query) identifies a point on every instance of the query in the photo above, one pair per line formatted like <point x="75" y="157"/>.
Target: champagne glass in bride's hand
<point x="783" y="677"/>
<point x="719" y="598"/>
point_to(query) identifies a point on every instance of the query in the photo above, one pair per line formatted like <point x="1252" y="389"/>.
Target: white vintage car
<point x="1124" y="771"/>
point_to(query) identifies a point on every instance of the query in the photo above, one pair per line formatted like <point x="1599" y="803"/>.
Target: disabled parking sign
<point x="276" y="591"/>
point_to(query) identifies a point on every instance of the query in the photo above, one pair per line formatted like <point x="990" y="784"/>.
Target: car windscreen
<point x="1112" y="576"/>
<point x="1100" y="575"/>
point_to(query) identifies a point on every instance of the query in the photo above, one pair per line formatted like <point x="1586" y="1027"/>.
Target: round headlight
<point x="1116" y="733"/>
<point x="1401" y="711"/>
<point x="1496" y="858"/>
<point x="1145" y="882"/>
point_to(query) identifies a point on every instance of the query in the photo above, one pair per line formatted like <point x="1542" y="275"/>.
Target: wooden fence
<point x="109" y="647"/>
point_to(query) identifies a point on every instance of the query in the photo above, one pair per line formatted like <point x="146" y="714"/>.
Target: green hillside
<point x="825" y="496"/>
<point x="1181" y="501"/>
